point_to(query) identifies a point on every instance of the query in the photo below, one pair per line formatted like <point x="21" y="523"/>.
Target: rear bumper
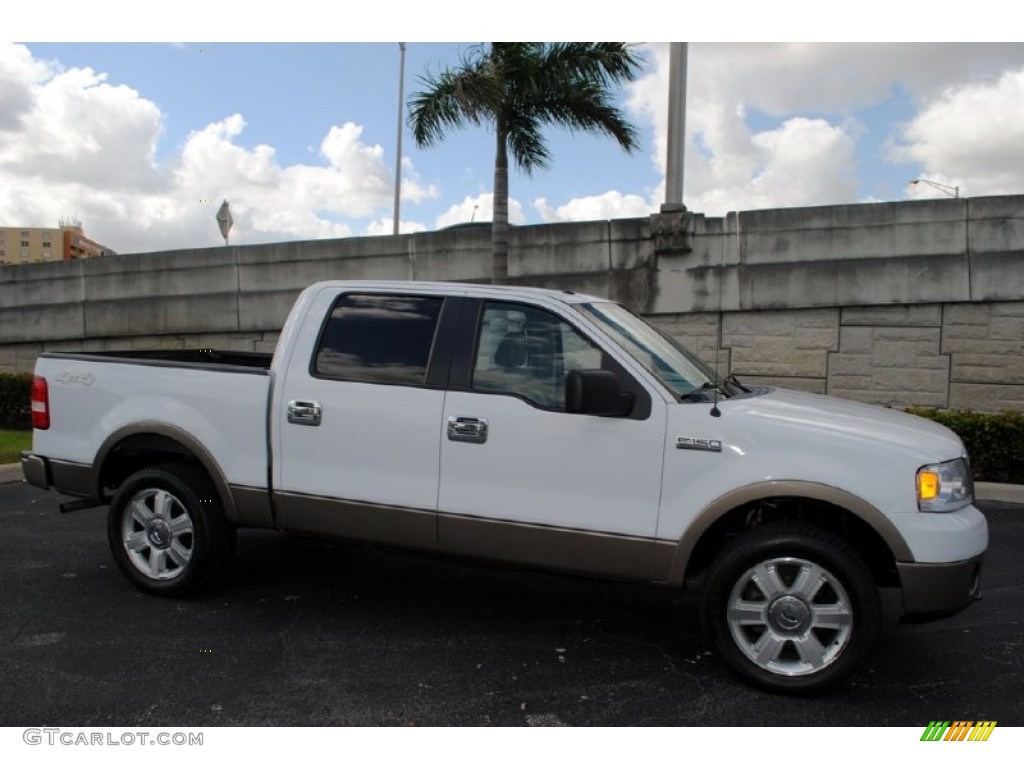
<point x="934" y="590"/>
<point x="67" y="477"/>
<point x="35" y="470"/>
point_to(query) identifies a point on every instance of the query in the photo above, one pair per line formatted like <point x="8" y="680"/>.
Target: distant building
<point x="27" y="245"/>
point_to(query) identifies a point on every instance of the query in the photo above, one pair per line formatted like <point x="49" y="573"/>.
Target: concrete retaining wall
<point x="896" y="303"/>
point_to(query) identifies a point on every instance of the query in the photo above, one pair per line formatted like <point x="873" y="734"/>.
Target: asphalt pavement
<point x="305" y="632"/>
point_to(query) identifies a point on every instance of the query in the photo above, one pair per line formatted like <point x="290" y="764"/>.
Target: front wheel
<point x="167" y="530"/>
<point x="791" y="608"/>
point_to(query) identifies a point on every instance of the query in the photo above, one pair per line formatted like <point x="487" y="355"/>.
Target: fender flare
<point x="677" y="558"/>
<point x="178" y="435"/>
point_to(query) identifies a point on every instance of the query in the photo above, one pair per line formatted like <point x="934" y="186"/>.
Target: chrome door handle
<point x="466" y="429"/>
<point x="304" y="412"/>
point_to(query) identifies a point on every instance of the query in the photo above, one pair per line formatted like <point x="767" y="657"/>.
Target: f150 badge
<point x="698" y="444"/>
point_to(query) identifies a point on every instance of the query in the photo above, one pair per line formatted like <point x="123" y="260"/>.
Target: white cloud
<point x="479" y="208"/>
<point x="386" y="226"/>
<point x="786" y="78"/>
<point x="73" y="144"/>
<point x="413" y="189"/>
<point x="729" y="166"/>
<point x="18" y="73"/>
<point x="971" y="136"/>
<point x="74" y="127"/>
<point x="610" y="205"/>
<point x="803" y="161"/>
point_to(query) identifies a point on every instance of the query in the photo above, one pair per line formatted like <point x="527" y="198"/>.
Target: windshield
<point x="671" y="363"/>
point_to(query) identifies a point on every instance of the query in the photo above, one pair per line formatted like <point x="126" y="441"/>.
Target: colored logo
<point x="958" y="730"/>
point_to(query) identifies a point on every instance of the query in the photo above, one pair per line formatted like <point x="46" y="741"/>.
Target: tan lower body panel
<point x="400" y="526"/>
<point x="252" y="506"/>
<point x="563" y="549"/>
<point x="545" y="547"/>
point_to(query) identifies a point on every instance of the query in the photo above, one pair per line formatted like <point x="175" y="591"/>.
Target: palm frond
<point x="525" y="85"/>
<point x="452" y="98"/>
<point x="588" y="108"/>
<point x="606" y="64"/>
<point x="525" y="142"/>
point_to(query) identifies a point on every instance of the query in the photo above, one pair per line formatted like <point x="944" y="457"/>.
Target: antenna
<point x="714" y="405"/>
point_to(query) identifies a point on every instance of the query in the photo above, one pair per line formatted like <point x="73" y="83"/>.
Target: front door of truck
<point x="522" y="479"/>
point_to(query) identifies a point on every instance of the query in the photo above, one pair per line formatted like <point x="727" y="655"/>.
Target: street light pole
<point x="953" y="192"/>
<point x="676" y="154"/>
<point x="398" y="152"/>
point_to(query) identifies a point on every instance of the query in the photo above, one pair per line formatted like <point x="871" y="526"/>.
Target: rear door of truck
<point x="358" y="414"/>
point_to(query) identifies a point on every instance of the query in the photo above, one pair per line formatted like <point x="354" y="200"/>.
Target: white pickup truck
<point x="537" y="427"/>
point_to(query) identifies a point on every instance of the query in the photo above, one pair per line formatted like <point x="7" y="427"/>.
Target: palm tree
<point x="516" y="88"/>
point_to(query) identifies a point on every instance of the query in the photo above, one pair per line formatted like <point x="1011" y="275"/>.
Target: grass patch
<point x="12" y="443"/>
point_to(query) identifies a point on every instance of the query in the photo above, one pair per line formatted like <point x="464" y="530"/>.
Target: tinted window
<point x="385" y="339"/>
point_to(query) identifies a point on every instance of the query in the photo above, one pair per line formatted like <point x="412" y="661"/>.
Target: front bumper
<point x="934" y="590"/>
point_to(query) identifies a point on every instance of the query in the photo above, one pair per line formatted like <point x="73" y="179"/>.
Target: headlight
<point x="944" y="487"/>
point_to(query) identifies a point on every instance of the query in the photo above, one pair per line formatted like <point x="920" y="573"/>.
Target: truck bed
<point x="181" y="358"/>
<point x="217" y="400"/>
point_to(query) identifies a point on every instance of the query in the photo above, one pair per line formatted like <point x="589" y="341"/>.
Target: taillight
<point x="40" y="403"/>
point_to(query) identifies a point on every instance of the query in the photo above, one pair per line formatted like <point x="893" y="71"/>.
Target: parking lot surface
<point x="306" y="632"/>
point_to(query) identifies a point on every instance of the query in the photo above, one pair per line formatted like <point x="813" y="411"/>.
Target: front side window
<point x="526" y="351"/>
<point x="378" y="338"/>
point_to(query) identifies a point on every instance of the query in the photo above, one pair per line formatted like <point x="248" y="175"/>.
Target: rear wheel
<point x="167" y="530"/>
<point x="791" y="608"/>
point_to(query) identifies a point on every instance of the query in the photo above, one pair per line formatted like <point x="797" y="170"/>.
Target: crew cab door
<point x="524" y="480"/>
<point x="358" y="418"/>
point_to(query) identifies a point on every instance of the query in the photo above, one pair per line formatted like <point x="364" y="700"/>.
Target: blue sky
<point x="143" y="141"/>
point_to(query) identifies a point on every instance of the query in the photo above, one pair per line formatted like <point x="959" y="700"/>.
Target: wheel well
<point x="138" y="452"/>
<point x="861" y="536"/>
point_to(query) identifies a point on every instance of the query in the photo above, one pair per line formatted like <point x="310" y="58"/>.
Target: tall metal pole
<point x="676" y="156"/>
<point x="398" y="152"/>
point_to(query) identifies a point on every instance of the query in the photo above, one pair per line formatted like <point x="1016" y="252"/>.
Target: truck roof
<point x="462" y="289"/>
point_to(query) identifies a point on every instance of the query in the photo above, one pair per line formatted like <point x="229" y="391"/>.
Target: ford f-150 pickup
<point x="537" y="427"/>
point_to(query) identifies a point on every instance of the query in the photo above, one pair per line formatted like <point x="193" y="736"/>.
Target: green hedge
<point x="995" y="441"/>
<point x="15" y="390"/>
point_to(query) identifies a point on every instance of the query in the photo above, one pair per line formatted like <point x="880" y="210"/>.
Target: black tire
<point x="791" y="608"/>
<point x="167" y="530"/>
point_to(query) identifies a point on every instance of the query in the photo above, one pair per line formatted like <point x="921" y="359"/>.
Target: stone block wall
<point x="965" y="356"/>
<point x="985" y="343"/>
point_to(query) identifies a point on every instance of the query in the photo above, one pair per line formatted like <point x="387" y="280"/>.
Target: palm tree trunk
<point x="499" y="221"/>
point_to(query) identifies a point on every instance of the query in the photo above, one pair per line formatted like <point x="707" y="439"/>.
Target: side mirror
<point x="598" y="393"/>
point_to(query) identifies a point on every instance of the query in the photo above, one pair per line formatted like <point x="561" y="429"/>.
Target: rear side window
<point x="378" y="338"/>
